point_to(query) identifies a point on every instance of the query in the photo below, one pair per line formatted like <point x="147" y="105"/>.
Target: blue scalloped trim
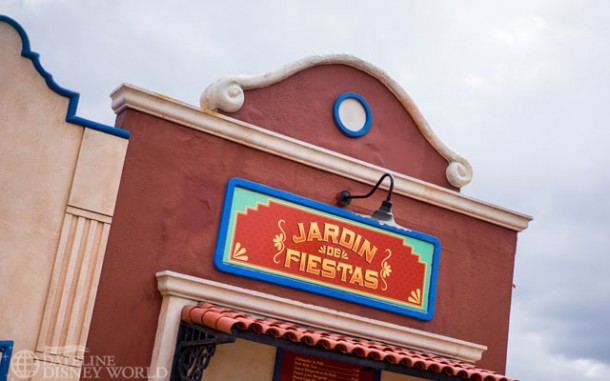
<point x="71" y="116"/>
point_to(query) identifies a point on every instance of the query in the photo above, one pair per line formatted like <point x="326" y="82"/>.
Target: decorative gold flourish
<point x="415" y="297"/>
<point x="386" y="269"/>
<point x="278" y="241"/>
<point x="239" y="253"/>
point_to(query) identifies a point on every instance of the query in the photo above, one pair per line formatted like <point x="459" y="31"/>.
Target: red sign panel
<point x="299" y="367"/>
<point x="274" y="236"/>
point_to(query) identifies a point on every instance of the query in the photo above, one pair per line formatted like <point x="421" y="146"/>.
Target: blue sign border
<point x="314" y="288"/>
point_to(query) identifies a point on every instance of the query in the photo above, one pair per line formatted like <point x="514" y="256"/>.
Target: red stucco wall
<point x="171" y="195"/>
<point x="301" y="107"/>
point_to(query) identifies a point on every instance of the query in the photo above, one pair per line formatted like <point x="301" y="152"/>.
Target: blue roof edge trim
<point x="71" y="116"/>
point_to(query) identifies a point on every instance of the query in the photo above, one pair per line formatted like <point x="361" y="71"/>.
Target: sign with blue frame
<point x="278" y="237"/>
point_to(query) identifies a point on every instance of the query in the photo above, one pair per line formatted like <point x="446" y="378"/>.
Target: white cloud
<point x="530" y="359"/>
<point x="522" y="34"/>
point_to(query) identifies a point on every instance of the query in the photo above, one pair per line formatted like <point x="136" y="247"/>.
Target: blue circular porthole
<point x="352" y="114"/>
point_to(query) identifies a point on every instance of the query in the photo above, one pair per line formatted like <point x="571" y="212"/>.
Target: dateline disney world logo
<point x="26" y="364"/>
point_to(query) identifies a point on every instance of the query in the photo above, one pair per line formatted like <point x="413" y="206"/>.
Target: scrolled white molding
<point x="459" y="173"/>
<point x="227" y="94"/>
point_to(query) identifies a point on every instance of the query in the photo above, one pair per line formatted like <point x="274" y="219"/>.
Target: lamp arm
<point x="345" y="197"/>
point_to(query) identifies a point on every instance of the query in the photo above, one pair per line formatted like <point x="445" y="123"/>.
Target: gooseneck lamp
<point x="384" y="213"/>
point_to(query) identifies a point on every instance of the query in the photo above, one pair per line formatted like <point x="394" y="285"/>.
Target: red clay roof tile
<point x="226" y="320"/>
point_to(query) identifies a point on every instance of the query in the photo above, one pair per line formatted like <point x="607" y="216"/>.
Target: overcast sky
<point x="519" y="88"/>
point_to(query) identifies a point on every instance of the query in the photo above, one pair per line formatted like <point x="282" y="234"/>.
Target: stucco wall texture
<point x="38" y="153"/>
<point x="58" y="186"/>
<point x="172" y="192"/>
